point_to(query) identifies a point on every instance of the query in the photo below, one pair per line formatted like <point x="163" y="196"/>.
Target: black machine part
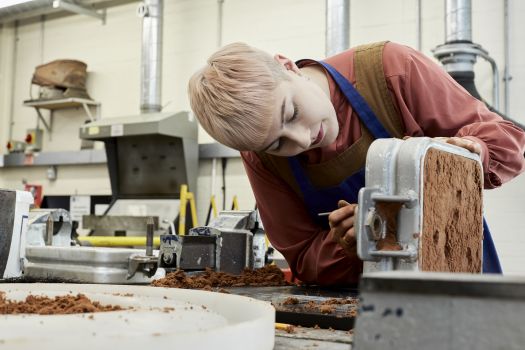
<point x="229" y="251"/>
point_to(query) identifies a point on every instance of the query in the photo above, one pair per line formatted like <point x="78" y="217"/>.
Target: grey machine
<point x="149" y="157"/>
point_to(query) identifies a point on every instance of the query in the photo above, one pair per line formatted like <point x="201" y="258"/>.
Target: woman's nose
<point x="301" y="136"/>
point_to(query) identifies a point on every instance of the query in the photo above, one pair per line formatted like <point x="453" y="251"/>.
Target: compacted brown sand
<point x="452" y="214"/>
<point x="267" y="276"/>
<point x="60" y="305"/>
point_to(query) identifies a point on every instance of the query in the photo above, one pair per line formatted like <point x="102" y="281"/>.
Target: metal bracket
<point x="41" y="118"/>
<point x="371" y="227"/>
<point x="170" y="251"/>
<point x="80" y="10"/>
<point x="148" y="263"/>
<point x="145" y="264"/>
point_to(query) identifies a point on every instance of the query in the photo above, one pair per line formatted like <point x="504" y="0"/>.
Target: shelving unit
<point x="95" y="156"/>
<point x="63" y="103"/>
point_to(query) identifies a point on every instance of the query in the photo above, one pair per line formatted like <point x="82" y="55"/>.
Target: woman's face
<point x="303" y="117"/>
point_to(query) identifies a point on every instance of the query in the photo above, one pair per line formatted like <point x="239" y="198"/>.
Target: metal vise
<point x="231" y="243"/>
<point x="49" y="227"/>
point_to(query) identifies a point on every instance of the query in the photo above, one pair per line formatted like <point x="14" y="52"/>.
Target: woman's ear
<point x="287" y="63"/>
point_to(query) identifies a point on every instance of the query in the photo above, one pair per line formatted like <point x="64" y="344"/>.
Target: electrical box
<point x="34" y="139"/>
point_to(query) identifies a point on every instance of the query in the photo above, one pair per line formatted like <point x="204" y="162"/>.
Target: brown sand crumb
<point x="59" y="305"/>
<point x="325" y="307"/>
<point x="290" y="329"/>
<point x="269" y="275"/>
<point x="291" y="301"/>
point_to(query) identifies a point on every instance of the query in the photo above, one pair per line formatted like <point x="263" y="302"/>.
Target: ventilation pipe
<point x="458" y="21"/>
<point x="151" y="64"/>
<point x="458" y="55"/>
<point x="337" y="26"/>
<point x="506" y="45"/>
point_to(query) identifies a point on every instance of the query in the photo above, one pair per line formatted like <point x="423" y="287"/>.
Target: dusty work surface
<point x="308" y="306"/>
<point x="311" y="338"/>
<point x="298" y="305"/>
<point x="452" y="231"/>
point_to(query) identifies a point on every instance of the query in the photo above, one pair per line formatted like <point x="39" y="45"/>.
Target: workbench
<point x="309" y="338"/>
<point x="335" y="327"/>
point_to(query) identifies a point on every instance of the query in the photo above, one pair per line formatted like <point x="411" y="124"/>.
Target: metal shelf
<point x="62" y="103"/>
<point x="53" y="158"/>
<point x="206" y="151"/>
<point x="70" y="102"/>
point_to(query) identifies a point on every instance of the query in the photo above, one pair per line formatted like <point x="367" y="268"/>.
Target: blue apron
<point x="325" y="199"/>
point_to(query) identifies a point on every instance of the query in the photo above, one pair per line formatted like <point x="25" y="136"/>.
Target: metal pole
<point x="220" y="4"/>
<point x="419" y="25"/>
<point x="13" y="82"/>
<point x="458" y="21"/>
<point x="49" y="230"/>
<point x="149" y="236"/>
<point x="151" y="66"/>
<point x="506" y="50"/>
<point x="495" y="81"/>
<point x="219" y="22"/>
<point x="337" y="34"/>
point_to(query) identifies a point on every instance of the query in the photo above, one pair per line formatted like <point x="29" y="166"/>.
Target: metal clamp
<point x="371" y="226"/>
<point x="148" y="263"/>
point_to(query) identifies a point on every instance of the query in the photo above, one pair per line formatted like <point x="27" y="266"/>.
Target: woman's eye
<point x="277" y="146"/>
<point x="295" y="112"/>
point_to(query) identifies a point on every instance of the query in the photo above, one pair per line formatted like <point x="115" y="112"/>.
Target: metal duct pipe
<point x="13" y="81"/>
<point x="337" y="34"/>
<point x="458" y="21"/>
<point x="506" y="46"/>
<point x="151" y="66"/>
<point x="419" y="25"/>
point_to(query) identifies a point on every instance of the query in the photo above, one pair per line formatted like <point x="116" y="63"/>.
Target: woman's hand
<point x="342" y="226"/>
<point x="463" y="142"/>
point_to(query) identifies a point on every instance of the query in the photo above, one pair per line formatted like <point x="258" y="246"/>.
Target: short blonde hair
<point x="233" y="95"/>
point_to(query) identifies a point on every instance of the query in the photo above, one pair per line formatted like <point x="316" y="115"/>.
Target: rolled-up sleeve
<point x="433" y="104"/>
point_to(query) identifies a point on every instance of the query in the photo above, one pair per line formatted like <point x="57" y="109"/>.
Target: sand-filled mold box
<point x="452" y="226"/>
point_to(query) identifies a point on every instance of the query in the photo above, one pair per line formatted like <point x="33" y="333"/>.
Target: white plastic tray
<point x="200" y="320"/>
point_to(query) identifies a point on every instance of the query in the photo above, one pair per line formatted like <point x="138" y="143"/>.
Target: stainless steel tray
<point x="82" y="264"/>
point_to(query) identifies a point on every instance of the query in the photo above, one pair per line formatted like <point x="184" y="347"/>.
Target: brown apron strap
<point x="371" y="84"/>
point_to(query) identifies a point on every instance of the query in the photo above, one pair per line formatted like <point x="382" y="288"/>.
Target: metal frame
<point x="206" y="151"/>
<point x="63" y="103"/>
<point x="80" y="10"/>
<point x="394" y="174"/>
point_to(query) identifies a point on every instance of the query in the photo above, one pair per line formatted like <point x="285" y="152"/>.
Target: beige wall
<point x="292" y="27"/>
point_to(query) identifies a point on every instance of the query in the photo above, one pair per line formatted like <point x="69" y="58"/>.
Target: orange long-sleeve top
<point x="430" y="103"/>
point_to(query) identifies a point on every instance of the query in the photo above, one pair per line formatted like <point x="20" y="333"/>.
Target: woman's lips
<point x="319" y="136"/>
